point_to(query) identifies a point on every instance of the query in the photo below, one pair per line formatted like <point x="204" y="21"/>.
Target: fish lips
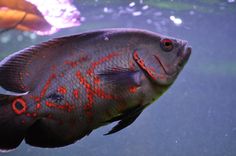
<point x="183" y="56"/>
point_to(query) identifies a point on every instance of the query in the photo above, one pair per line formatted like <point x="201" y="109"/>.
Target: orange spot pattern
<point x="142" y="65"/>
<point x="21" y="104"/>
<point x="62" y="90"/>
<point x="88" y="106"/>
<point x="90" y="71"/>
<point x="133" y="89"/>
<point x="102" y="94"/>
<point x="74" y="64"/>
<point x="76" y="93"/>
<point x="48" y="83"/>
<point x="91" y="92"/>
<point x="38" y="106"/>
<point x="37" y="99"/>
<point x="66" y="106"/>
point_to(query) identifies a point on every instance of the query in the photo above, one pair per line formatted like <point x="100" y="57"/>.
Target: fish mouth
<point x="184" y="55"/>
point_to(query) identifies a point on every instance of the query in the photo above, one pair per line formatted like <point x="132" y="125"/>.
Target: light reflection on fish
<point x="55" y="93"/>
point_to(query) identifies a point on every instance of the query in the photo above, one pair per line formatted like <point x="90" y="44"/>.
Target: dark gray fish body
<point x="55" y="93"/>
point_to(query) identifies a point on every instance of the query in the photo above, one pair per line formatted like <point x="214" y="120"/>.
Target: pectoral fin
<point x="126" y="119"/>
<point x="121" y="77"/>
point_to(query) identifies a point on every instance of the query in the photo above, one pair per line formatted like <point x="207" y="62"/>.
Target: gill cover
<point x="149" y="64"/>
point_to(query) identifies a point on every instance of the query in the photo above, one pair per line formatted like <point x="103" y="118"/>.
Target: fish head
<point x="162" y="58"/>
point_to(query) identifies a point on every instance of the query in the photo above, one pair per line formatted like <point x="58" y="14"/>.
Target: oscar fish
<point x="57" y="92"/>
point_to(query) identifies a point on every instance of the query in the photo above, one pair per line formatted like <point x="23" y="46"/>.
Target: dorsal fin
<point x="4" y="92"/>
<point x="21" y="71"/>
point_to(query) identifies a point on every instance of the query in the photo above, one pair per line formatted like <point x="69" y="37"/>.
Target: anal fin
<point x="126" y="119"/>
<point x="41" y="134"/>
<point x="13" y="126"/>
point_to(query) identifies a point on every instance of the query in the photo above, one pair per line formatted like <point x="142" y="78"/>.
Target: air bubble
<point x="5" y="38"/>
<point x="145" y="7"/>
<point x="137" y="13"/>
<point x="177" y="21"/>
<point x="33" y="36"/>
<point x="132" y="4"/>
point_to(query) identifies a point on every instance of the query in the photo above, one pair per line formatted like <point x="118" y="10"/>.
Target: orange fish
<point x="38" y="17"/>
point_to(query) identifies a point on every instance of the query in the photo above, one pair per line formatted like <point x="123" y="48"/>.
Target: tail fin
<point x="13" y="124"/>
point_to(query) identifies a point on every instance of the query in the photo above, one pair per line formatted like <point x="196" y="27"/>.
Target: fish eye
<point x="167" y="45"/>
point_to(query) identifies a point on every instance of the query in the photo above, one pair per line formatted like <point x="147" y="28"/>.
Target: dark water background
<point x="197" y="115"/>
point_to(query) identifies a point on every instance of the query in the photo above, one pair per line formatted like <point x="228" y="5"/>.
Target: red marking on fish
<point x="35" y="98"/>
<point x="21" y="78"/>
<point x="99" y="92"/>
<point x="19" y="106"/>
<point x="62" y="90"/>
<point x="48" y="83"/>
<point x="133" y="89"/>
<point x="74" y="64"/>
<point x="142" y="64"/>
<point x="67" y="107"/>
<point x="62" y="74"/>
<point x="32" y="115"/>
<point x="104" y="59"/>
<point x="76" y="93"/>
<point x="43" y="92"/>
<point x="89" y="105"/>
<point x="38" y="106"/>
<point x="90" y="93"/>
<point x="97" y="80"/>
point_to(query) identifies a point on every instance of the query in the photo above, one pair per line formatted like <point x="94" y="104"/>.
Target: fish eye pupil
<point x="167" y="43"/>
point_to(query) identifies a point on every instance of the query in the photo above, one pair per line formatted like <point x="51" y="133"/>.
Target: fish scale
<point x="57" y="92"/>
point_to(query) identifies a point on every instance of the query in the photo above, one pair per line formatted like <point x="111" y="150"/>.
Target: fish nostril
<point x="182" y="49"/>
